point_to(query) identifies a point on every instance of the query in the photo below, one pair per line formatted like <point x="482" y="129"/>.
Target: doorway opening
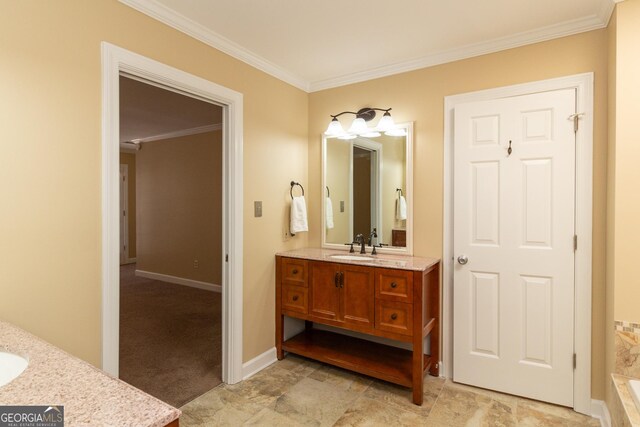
<point x="171" y="241"/>
<point x="117" y="62"/>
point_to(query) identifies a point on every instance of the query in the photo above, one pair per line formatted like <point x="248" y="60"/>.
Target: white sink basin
<point x="11" y="366"/>
<point x="353" y="257"/>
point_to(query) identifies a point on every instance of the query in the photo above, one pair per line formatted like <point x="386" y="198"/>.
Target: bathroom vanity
<point x="383" y="296"/>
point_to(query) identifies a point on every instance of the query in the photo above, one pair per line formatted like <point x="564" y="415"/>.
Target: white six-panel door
<point x="514" y="227"/>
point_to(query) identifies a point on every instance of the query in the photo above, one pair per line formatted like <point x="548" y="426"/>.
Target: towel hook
<point x="328" y="193"/>
<point x="400" y="190"/>
<point x="293" y="184"/>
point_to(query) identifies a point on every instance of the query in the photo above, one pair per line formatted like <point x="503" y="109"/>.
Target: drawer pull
<point x="295" y="297"/>
<point x="394" y="316"/>
<point x="295" y="271"/>
<point x="394" y="285"/>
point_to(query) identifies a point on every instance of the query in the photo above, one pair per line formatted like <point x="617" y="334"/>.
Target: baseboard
<point x="132" y="260"/>
<point x="179" y="281"/>
<point x="599" y="410"/>
<point x="258" y="363"/>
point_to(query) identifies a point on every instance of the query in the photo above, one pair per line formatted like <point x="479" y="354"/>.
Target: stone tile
<point x="495" y="395"/>
<point x="400" y="397"/>
<point x="458" y="407"/>
<point x="342" y="378"/>
<point x="367" y="412"/>
<point x="627" y="346"/>
<point x="266" y="386"/>
<point x="268" y="417"/>
<point x="314" y="403"/>
<point x="187" y="420"/>
<point x="532" y="413"/>
<point x="219" y="407"/>
<point x="297" y="364"/>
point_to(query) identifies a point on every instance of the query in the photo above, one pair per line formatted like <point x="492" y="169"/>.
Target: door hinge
<point x="575" y="361"/>
<point x="226" y="258"/>
<point x="575" y="242"/>
<point x="576" y="121"/>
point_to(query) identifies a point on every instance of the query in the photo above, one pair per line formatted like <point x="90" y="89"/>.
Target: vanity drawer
<point x="295" y="298"/>
<point x="396" y="317"/>
<point x="394" y="285"/>
<point x="294" y="272"/>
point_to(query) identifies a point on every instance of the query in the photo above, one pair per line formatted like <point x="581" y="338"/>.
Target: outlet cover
<point x="257" y="208"/>
<point x="341" y="205"/>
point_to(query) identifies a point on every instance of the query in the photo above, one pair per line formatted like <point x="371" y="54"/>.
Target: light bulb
<point x="386" y="123"/>
<point x="358" y="126"/>
<point x="335" y="128"/>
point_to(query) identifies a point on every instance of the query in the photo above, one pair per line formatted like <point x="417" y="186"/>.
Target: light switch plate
<point x="257" y="208"/>
<point x="341" y="205"/>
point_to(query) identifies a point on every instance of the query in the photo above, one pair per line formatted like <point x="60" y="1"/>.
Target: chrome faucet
<point x="360" y="240"/>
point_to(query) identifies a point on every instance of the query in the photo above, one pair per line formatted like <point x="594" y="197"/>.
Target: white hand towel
<point x="401" y="208"/>
<point x="298" y="215"/>
<point x="328" y="210"/>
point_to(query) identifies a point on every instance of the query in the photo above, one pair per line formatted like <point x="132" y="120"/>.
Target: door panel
<point x="358" y="295"/>
<point x="324" y="295"/>
<point x="514" y="221"/>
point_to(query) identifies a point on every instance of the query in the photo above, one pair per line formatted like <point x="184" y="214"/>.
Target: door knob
<point x="462" y="259"/>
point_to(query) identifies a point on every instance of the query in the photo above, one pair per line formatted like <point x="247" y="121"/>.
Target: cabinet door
<point x="357" y="302"/>
<point x="324" y="295"/>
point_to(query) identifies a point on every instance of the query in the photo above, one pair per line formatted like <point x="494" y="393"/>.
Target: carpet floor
<point x="170" y="338"/>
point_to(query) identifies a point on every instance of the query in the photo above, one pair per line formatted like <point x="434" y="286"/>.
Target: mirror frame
<point x="408" y="194"/>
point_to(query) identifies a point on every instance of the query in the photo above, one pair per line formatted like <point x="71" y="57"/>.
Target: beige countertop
<point x="402" y="262"/>
<point x="90" y="396"/>
<point x="630" y="415"/>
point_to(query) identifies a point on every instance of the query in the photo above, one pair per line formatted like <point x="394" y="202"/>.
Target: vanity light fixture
<point x="359" y="124"/>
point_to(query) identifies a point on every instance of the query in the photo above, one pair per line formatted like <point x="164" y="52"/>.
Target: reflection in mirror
<point x="365" y="184"/>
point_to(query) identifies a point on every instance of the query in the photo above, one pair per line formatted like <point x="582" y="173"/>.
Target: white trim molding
<point x="170" y="17"/>
<point x="179" y="281"/>
<point x="258" y="363"/>
<point x="600" y="410"/>
<point x="178" y="133"/>
<point x="117" y="61"/>
<point x="583" y="84"/>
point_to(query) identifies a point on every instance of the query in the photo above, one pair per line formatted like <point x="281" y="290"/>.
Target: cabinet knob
<point x="295" y="271"/>
<point x="295" y="297"/>
<point x="394" y="316"/>
<point x="394" y="285"/>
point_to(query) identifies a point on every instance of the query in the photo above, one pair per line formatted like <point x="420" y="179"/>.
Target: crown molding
<point x="564" y="29"/>
<point x="176" y="134"/>
<point x="168" y="16"/>
<point x="199" y="32"/>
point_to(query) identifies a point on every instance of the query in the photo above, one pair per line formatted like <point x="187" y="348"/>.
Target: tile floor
<point x="301" y="392"/>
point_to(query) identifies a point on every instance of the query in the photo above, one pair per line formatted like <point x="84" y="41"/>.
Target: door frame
<point x="116" y="61"/>
<point x="583" y="84"/>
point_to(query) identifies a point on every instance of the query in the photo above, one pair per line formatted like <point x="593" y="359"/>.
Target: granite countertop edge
<point x="89" y="395"/>
<point x="392" y="261"/>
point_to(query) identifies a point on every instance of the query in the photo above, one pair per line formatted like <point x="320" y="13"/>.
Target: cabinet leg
<point x="279" y="336"/>
<point x="417" y="369"/>
<point x="308" y="325"/>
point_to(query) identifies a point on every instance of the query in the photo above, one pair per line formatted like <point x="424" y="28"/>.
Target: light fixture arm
<point x="367" y="113"/>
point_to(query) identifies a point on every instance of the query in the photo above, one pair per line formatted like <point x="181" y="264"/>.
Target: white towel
<point x="298" y="215"/>
<point x="401" y="208"/>
<point x="328" y="210"/>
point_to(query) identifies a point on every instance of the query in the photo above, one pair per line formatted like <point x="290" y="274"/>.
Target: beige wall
<point x="129" y="159"/>
<point x="627" y="154"/>
<point x="623" y="208"/>
<point x="180" y="207"/>
<point x="419" y="95"/>
<point x="50" y="124"/>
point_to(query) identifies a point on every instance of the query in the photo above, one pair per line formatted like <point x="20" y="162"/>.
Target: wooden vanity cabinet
<point x="341" y="295"/>
<point x="401" y="305"/>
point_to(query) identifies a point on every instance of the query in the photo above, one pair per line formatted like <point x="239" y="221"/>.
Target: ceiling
<point x="149" y="112"/>
<point x="316" y="45"/>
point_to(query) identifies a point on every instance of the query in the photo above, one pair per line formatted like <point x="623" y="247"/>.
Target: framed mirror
<point x="367" y="185"/>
